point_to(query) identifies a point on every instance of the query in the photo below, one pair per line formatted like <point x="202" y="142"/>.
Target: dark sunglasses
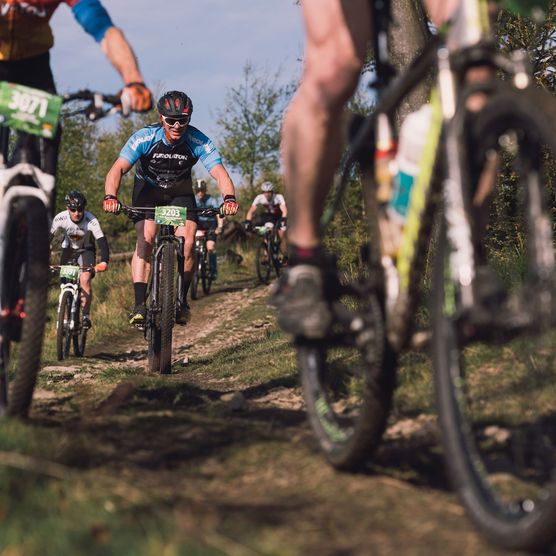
<point x="182" y="122"/>
<point x="75" y="209"/>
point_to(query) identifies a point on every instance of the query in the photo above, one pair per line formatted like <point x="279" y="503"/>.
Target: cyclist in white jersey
<point x="275" y="211"/>
<point x="81" y="230"/>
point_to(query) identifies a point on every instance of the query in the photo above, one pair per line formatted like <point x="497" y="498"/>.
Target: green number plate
<point x="69" y="272"/>
<point x="170" y="215"/>
<point x="29" y="110"/>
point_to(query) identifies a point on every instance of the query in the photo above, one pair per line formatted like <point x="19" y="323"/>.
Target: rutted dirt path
<point x="232" y="462"/>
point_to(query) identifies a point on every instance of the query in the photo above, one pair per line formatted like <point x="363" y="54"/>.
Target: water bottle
<point x="413" y="135"/>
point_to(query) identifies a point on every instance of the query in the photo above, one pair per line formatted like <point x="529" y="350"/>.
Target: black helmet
<point x="75" y="200"/>
<point x="200" y="185"/>
<point x="174" y="104"/>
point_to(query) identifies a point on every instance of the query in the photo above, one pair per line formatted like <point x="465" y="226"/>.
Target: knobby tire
<point x="167" y="305"/>
<point x="26" y="277"/>
<point x="497" y="425"/>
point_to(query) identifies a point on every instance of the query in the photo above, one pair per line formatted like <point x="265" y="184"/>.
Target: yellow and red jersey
<point x="25" y="29"/>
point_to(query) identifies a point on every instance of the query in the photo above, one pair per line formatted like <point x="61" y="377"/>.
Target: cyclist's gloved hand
<point x="283" y="221"/>
<point x="230" y="206"/>
<point x="101" y="267"/>
<point x="248" y="225"/>
<point x="110" y="203"/>
<point x="136" y="97"/>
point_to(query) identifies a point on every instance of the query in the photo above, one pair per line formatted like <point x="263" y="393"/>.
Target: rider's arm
<point x="114" y="176"/>
<point x="225" y="184"/>
<point x="251" y="212"/>
<point x="94" y="18"/>
<point x="102" y="242"/>
<point x="94" y="227"/>
<point x="121" y="56"/>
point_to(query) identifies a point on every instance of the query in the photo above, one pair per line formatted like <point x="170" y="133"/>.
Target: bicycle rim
<point x="263" y="263"/>
<point x="24" y="294"/>
<point x="496" y="385"/>
<point x="168" y="307"/>
<point x="348" y="389"/>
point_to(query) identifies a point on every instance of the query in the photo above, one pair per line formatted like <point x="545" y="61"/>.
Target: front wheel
<point x="63" y="330"/>
<point x="80" y="336"/>
<point x="348" y="383"/>
<point x="24" y="293"/>
<point x="495" y="366"/>
<point x="167" y="307"/>
<point x="263" y="263"/>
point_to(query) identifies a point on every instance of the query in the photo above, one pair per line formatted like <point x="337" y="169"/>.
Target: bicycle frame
<point x="451" y="58"/>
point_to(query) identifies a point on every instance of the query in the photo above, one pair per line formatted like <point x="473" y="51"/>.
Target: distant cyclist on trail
<point x="274" y="210"/>
<point x="25" y="41"/>
<point x="212" y="225"/>
<point x="81" y="230"/>
<point x="164" y="154"/>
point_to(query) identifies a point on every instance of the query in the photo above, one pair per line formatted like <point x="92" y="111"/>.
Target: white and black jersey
<point x="82" y="234"/>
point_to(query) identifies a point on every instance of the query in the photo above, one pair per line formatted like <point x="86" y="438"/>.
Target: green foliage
<point x="250" y="123"/>
<point x="537" y="39"/>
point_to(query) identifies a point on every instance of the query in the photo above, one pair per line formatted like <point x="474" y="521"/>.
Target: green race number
<point x="170" y="215"/>
<point x="29" y="110"/>
<point x="69" y="272"/>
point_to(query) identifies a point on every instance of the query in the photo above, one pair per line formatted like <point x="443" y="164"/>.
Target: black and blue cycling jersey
<point x="166" y="167"/>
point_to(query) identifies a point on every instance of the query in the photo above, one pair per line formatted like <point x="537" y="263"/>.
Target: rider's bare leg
<point x="141" y="260"/>
<point x="337" y="34"/>
<point x="86" y="292"/>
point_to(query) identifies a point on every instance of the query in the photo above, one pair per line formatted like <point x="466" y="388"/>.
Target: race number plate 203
<point x="29" y="110"/>
<point x="170" y="215"/>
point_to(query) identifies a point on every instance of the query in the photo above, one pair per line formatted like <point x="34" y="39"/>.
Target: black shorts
<point x="87" y="258"/>
<point x="209" y="228"/>
<point x="145" y="196"/>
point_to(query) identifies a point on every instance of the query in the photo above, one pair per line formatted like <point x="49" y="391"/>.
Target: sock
<point x="140" y="289"/>
<point x="186" y="284"/>
<point x="305" y="255"/>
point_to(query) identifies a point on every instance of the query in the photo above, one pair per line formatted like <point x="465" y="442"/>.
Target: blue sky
<point x="199" y="47"/>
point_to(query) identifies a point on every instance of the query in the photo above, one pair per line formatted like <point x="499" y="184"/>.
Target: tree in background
<point x="250" y="123"/>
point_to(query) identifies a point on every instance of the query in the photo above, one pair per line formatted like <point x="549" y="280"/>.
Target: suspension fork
<point x="458" y="229"/>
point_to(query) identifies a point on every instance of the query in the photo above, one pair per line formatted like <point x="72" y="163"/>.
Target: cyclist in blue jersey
<point x="211" y="225"/>
<point x="164" y="154"/>
<point x="25" y="41"/>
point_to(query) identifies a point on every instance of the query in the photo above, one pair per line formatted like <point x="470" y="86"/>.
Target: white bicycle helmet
<point x="267" y="186"/>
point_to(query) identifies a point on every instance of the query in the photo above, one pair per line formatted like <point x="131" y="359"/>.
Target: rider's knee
<point x="332" y="80"/>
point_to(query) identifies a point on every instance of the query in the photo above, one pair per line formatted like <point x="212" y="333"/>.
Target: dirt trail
<point x="235" y="464"/>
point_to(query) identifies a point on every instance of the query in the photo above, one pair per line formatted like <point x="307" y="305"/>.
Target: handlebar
<point x="95" y="108"/>
<point x="58" y="266"/>
<point x="140" y="211"/>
